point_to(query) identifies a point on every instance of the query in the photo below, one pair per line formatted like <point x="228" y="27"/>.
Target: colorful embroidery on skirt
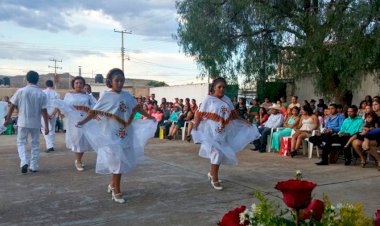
<point x="122" y="106"/>
<point x="223" y="109"/>
<point x="122" y="133"/>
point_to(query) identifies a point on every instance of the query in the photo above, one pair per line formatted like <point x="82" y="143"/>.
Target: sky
<point x="81" y="34"/>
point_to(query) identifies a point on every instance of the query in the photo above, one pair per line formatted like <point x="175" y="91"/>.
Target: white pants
<point x="50" y="138"/>
<point x="22" y="139"/>
<point x="216" y="156"/>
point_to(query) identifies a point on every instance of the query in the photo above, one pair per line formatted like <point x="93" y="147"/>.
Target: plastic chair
<point x="308" y="146"/>
<point x="183" y="130"/>
<point x="269" y="140"/>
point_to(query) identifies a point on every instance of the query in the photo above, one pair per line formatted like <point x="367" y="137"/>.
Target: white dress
<point x="119" y="148"/>
<point x="220" y="133"/>
<point x="75" y="108"/>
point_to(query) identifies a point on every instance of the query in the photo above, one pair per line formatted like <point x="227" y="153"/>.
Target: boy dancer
<point x="51" y="95"/>
<point x="31" y="103"/>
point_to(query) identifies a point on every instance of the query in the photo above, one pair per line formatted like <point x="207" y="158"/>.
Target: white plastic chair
<point x="183" y="130"/>
<point x="308" y="146"/>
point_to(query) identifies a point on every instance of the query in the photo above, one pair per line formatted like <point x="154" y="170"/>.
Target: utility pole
<point x="122" y="45"/>
<point x="80" y="71"/>
<point x="55" y="70"/>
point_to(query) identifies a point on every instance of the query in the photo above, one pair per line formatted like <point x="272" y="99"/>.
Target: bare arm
<point x="90" y="116"/>
<point x="295" y="123"/>
<point x="143" y="112"/>
<point x="45" y="117"/>
<point x="8" y="118"/>
<point x="53" y="113"/>
<point x="315" y="122"/>
<point x="197" y="120"/>
<point x="299" y="124"/>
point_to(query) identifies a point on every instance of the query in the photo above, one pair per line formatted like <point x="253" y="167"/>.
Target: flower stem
<point x="297" y="217"/>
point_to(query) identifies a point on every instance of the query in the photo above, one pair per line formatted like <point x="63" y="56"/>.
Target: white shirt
<point x="30" y="100"/>
<point x="274" y="121"/>
<point x="3" y="110"/>
<point x="51" y="95"/>
<point x="294" y="105"/>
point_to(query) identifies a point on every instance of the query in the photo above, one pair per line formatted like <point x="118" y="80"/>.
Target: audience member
<point x="312" y="105"/>
<point x="241" y="108"/>
<point x="294" y="103"/>
<point x="289" y="123"/>
<point x="307" y="124"/>
<point x="321" y="106"/>
<point x="263" y="116"/>
<point x="275" y="120"/>
<point x="267" y="104"/>
<point x="351" y="125"/>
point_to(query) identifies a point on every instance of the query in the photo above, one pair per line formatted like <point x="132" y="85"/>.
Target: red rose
<point x="318" y="209"/>
<point x="296" y="193"/>
<point x="377" y="218"/>
<point x="232" y="218"/>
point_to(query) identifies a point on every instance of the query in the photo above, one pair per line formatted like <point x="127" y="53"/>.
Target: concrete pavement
<point x="169" y="187"/>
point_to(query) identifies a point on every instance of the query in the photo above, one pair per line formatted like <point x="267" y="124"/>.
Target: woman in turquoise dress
<point x="290" y="121"/>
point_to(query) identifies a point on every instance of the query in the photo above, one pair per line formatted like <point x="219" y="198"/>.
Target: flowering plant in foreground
<point x="302" y="209"/>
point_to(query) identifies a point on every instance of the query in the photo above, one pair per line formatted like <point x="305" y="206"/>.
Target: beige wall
<point x="10" y="91"/>
<point x="135" y="91"/>
<point x="7" y="92"/>
<point x="304" y="89"/>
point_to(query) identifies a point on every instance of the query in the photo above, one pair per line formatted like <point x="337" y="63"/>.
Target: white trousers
<point x="50" y="138"/>
<point x="22" y="139"/>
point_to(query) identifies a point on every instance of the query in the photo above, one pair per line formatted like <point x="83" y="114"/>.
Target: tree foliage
<point x="156" y="83"/>
<point x="328" y="40"/>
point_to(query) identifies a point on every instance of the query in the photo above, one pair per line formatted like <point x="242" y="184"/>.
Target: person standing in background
<point x="52" y="112"/>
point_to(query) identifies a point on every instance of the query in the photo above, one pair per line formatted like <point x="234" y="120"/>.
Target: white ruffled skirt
<point x="221" y="148"/>
<point x="117" y="155"/>
<point x="75" y="139"/>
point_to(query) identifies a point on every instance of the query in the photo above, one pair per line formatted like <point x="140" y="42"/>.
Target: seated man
<point x="333" y="123"/>
<point x="351" y="126"/>
<point x="275" y="120"/>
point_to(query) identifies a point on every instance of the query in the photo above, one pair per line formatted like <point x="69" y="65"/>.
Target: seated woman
<point x="158" y="115"/>
<point x="187" y="115"/>
<point x="174" y="116"/>
<point x="290" y="122"/>
<point x="263" y="116"/>
<point x="190" y="125"/>
<point x="306" y="125"/>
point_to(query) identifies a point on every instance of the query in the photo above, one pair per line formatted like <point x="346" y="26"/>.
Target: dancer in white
<point x="220" y="132"/>
<point x="51" y="95"/>
<point x="31" y="103"/>
<point x="76" y="107"/>
<point x="118" y="139"/>
<point x="87" y="90"/>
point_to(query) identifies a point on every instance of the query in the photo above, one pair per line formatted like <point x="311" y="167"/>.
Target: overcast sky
<point x="80" y="33"/>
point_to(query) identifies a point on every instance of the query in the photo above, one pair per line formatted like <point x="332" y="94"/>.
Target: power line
<point x="55" y="69"/>
<point x="122" y="45"/>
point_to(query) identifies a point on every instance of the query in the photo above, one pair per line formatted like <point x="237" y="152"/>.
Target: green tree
<point x="329" y="40"/>
<point x="156" y="84"/>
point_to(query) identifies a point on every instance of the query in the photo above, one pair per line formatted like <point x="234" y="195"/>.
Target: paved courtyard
<point x="169" y="187"/>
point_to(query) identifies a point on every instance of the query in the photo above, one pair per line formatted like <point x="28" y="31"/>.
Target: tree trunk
<point x="343" y="97"/>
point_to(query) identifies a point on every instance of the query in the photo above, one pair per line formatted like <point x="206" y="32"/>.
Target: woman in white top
<point x="307" y="124"/>
<point x="220" y="131"/>
<point x="79" y="104"/>
<point x="118" y="139"/>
